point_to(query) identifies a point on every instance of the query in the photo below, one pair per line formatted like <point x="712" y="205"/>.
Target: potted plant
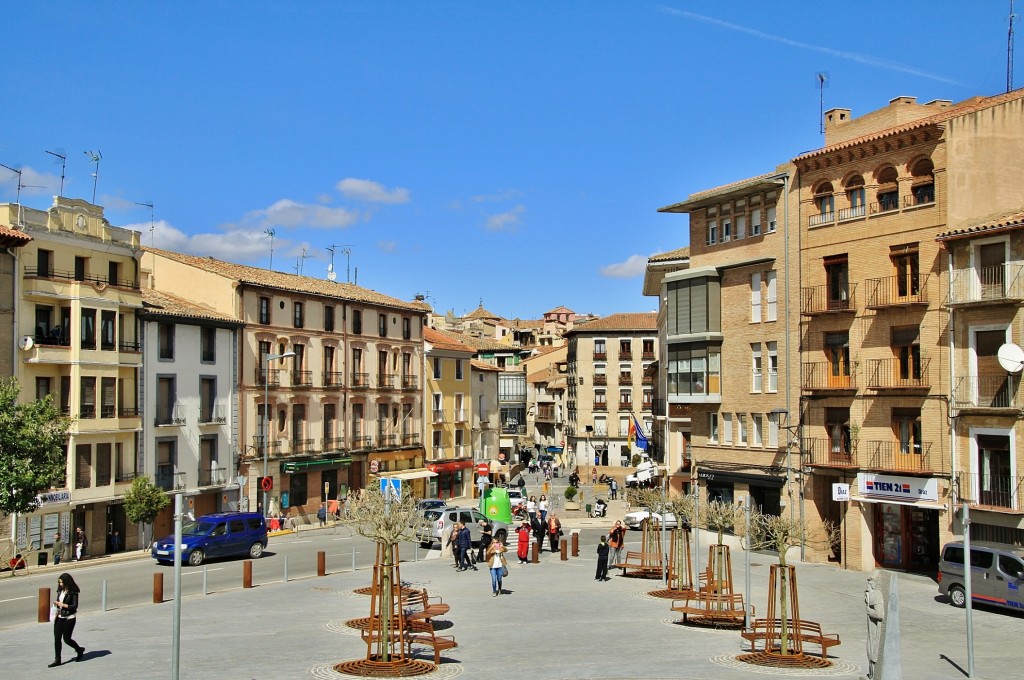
<point x="570" y="496"/>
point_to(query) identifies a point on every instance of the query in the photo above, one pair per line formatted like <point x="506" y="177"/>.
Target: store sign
<point x="841" y="492"/>
<point x="898" y="488"/>
<point x="53" y="497"/>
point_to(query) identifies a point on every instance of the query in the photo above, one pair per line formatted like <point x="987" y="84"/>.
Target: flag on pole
<point x="637" y="433"/>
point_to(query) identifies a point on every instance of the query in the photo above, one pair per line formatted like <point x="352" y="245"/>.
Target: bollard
<point x="353" y="558"/>
<point x="536" y="552"/>
<point x="247" y="574"/>
<point x="103" y="596"/>
<point x="43" y="613"/>
<point x="286" y="569"/>
<point x="575" y="544"/>
<point x="321" y="563"/>
<point x="563" y="549"/>
<point x="206" y="590"/>
<point x="158" y="587"/>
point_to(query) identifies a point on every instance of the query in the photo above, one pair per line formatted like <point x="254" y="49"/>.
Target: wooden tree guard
<point x="386" y="632"/>
<point x="680" y="576"/>
<point x="716" y="604"/>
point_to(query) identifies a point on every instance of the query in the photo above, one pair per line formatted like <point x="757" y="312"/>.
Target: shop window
<point x="297" y="490"/>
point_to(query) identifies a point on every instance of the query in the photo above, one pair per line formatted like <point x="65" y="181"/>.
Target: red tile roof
<point x="677" y="254"/>
<point x="481" y="313"/>
<point x="444" y="341"/>
<point x="1004" y="223"/>
<point x="484" y="366"/>
<point x="627" y="321"/>
<point x="158" y="303"/>
<point x="13" y="237"/>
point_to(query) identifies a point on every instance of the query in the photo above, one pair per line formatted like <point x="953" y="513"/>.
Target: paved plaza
<point x="553" y="621"/>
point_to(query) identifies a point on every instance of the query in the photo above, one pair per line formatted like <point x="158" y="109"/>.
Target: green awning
<point x="299" y="465"/>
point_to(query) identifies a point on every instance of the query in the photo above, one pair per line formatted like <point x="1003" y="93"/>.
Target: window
<point x="108" y="339"/>
<point x="600" y="348"/>
<point x="80" y="268"/>
<point x="712" y="428"/>
<point x="906" y="425"/>
<point x="757" y="428"/>
<point x="648" y="348"/>
<point x="741" y="227"/>
<point x="406" y="328"/>
<point x="694" y="369"/>
<point x="357" y="322"/>
<point x="756" y="384"/>
<point x="43" y="387"/>
<point x="625" y="399"/>
<point x="103" y="466"/>
<point x="264" y="313"/>
<point x="726" y="230"/>
<point x="837" y="424"/>
<point x="996" y="484"/>
<point x="755" y="297"/>
<point x="855" y="197"/>
<point x="923" y="188"/>
<point x="837" y="351"/>
<point x="298" y="493"/>
<point x="741" y="428"/>
<point x="712" y="232"/>
<point x="166" y="393"/>
<point x="773" y="430"/>
<point x="437" y="368"/>
<point x="624" y="428"/>
<point x="888" y="190"/>
<point x="727" y="428"/>
<point x="329" y="426"/>
<point x="600" y="426"/>
<point x="625" y="349"/>
<point x="693" y="306"/>
<point x="825" y="202"/>
<point x="755" y="222"/>
<point x="906" y="347"/>
<point x="600" y="400"/>
<point x="328" y="318"/>
<point x="87" y="397"/>
<point x="208" y="345"/>
<point x="906" y="268"/>
<point x="770" y="216"/>
<point x="165" y="341"/>
<point x="108" y="397"/>
<point x="773" y="366"/>
<point x="44" y="263"/>
<point x="382" y="325"/>
<point x="459" y="370"/>
<point x="88" y="328"/>
<point x="625" y="373"/>
<point x="299" y="315"/>
<point x="837" y="277"/>
<point x="771" y="297"/>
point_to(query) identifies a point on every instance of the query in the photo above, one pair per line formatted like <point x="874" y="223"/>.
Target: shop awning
<point x="914" y="504"/>
<point x="554" y="449"/>
<point x="410" y="474"/>
<point x="300" y="465"/>
<point x="450" y="466"/>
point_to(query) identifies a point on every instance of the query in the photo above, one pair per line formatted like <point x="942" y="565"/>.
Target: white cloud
<point x="388" y="246"/>
<point x="506" y="221"/>
<point x="292" y="214"/>
<point x="33" y="182"/>
<point x="233" y="245"/>
<point x="373" y="192"/>
<point x="635" y="265"/>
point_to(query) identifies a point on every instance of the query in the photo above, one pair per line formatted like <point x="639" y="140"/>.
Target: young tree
<point x="144" y="501"/>
<point x="33" y="436"/>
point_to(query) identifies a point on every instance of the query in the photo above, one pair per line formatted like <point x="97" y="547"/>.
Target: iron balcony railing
<point x="840" y="452"/>
<point x="217" y="476"/>
<point x="896" y="291"/>
<point x="126" y="346"/>
<point x="302" y="378"/>
<point x="821" y="218"/>
<point x="385" y="441"/>
<point x="209" y="413"/>
<point x="625" y="378"/>
<point x="898" y="374"/>
<point x="852" y="213"/>
<point x="996" y="285"/>
<point x="888" y="455"/>
<point x="513" y="429"/>
<point x="437" y="416"/>
<point x="826" y="376"/>
<point x="600" y="356"/>
<point x="1002" y="492"/>
<point x="333" y="443"/>
<point x="409" y="382"/>
<point x="270" y="377"/>
<point x="600" y="379"/>
<point x="922" y="195"/>
<point x="58" y="275"/>
<point x="333" y="378"/>
<point x="363" y="442"/>
<point x="169" y="480"/>
<point x="301" y="447"/>
<point x="360" y="380"/>
<point x="985" y="392"/>
<point x="410" y="439"/>
<point x="385" y="381"/>
<point x="826" y="299"/>
<point x="169" y="415"/>
<point x="273" y="446"/>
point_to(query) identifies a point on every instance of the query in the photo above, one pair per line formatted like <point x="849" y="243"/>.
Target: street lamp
<point x="780" y="414"/>
<point x="267" y="358"/>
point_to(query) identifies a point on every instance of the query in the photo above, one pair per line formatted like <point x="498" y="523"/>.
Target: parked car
<point x="428" y="503"/>
<point x="218" y="535"/>
<point x="637" y="518"/>
<point x="997" y="574"/>
<point x="515" y="497"/>
<point x="437" y="525"/>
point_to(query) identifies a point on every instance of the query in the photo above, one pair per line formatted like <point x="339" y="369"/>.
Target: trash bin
<point x="588" y="509"/>
<point x="41" y="559"/>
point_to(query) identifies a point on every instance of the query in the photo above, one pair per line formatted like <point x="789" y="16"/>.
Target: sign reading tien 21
<point x="898" y="488"/>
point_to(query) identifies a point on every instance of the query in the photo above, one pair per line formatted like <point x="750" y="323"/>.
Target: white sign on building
<point x="892" y="487"/>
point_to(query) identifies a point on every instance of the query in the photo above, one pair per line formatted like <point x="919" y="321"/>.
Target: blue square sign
<point x="391" y="487"/>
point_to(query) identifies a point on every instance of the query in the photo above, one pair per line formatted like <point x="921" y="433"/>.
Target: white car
<point x="636" y="519"/>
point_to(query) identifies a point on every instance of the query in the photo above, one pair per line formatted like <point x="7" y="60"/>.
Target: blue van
<point x="219" y="535"/>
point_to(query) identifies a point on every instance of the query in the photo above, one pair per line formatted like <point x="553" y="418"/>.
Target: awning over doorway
<point x="450" y="466"/>
<point x="300" y="465"/>
<point x="913" y="504"/>
<point x="410" y="474"/>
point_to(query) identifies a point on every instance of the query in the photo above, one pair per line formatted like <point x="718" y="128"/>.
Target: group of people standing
<point x="612" y="543"/>
<point x="79" y="545"/>
<point x="539" y="526"/>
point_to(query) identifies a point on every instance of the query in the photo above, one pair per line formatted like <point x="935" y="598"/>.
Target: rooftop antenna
<point x="822" y="77"/>
<point x="95" y="157"/>
<point x="152" y="222"/>
<point x="17" y="200"/>
<point x="1009" y="50"/>
<point x="63" y="166"/>
<point x="270" y="232"/>
<point x="300" y="261"/>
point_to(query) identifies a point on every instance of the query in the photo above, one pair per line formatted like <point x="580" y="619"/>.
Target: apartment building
<point x="330" y="378"/>
<point x="449" y="416"/>
<point x="190" y="428"/>
<point x="607" y="361"/>
<point x="546" y="383"/>
<point x="728" y="324"/>
<point x="78" y="295"/>
<point x="486" y="427"/>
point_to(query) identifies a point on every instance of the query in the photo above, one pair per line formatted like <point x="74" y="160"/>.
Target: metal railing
<point x="985" y="391"/>
<point x="888" y="204"/>
<point x="387" y="440"/>
<point x="213" y="476"/>
<point x="333" y="378"/>
<point x="364" y="442"/>
<point x="460" y="415"/>
<point x="108" y="411"/>
<point x="59" y="275"/>
<point x="625" y="378"/>
<point x="896" y="291"/>
<point x="360" y="380"/>
<point x="270" y="377"/>
<point x="410" y="438"/>
<point x="513" y="429"/>
<point x="169" y="480"/>
<point x="169" y="416"/>
<point x="924" y="195"/>
<point x="1001" y="283"/>
<point x="829" y="453"/>
<point x="437" y="415"/>
<point x="600" y="379"/>
<point x="826" y="299"/>
<point x="302" y="446"/>
<point x="822" y="375"/>
<point x="129" y="412"/>
<point x="891" y="373"/>
<point x="87" y="411"/>
<point x="600" y="356"/>
<point x="273" y="446"/>
<point x="409" y="382"/>
<point x="126" y="346"/>
<point x="890" y="455"/>
<point x="212" y="414"/>
<point x="821" y="218"/>
<point x="853" y="212"/>
<point x="994" y="491"/>
<point x="333" y="443"/>
<point x="302" y="378"/>
<point x="385" y="381"/>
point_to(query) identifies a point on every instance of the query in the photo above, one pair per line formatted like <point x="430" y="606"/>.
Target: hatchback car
<point x="637" y="519"/>
<point x="438" y="522"/>
<point x="218" y="535"/>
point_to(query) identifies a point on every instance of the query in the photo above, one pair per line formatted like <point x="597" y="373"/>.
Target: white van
<point x="997" y="574"/>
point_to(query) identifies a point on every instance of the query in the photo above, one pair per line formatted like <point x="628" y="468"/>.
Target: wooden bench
<point x="640" y="563"/>
<point x="429" y="638"/>
<point x="428" y="607"/>
<point x="716" y="607"/>
<point x="807" y="632"/>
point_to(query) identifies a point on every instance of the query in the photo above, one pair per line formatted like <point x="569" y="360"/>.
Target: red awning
<point x="450" y="467"/>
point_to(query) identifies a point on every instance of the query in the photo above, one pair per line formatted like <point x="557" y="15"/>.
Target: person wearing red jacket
<point x="523" y="546"/>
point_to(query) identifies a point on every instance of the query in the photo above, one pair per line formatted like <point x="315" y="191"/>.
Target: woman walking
<point x="554" y="531"/>
<point x="523" y="545"/>
<point x="496" y="561"/>
<point x="542" y="506"/>
<point x="602" y="560"/>
<point x="486" y="536"/>
<point x="66" y="605"/>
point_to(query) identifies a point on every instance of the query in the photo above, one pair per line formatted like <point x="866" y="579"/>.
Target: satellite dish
<point x="1011" y="357"/>
<point x="332" y="275"/>
<point x="27" y="343"/>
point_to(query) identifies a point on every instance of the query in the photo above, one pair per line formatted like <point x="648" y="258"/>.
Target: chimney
<point x="836" y="117"/>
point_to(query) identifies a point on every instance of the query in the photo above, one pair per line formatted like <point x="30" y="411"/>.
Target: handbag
<point x="53" y="612"/>
<point x="504" y="572"/>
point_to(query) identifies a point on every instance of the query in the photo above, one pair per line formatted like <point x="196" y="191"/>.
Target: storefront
<point x="35" y="531"/>
<point x="306" y="484"/>
<point x="905" y="522"/>
<point x="452" y="480"/>
<point x="724" y="485"/>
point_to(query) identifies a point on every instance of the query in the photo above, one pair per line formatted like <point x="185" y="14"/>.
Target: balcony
<point x="852" y="213"/>
<point x="387" y="441"/>
<point x="333" y="378"/>
<point x="600" y="379"/>
<point x="896" y="291"/>
<point x="362" y="443"/>
<point x="125" y="477"/>
<point x="410" y="439"/>
<point x="826" y="299"/>
<point x="460" y="415"/>
<point x="647" y="406"/>
<point x="437" y="453"/>
<point x="546" y="415"/>
<point x="921" y="195"/>
<point x="985" y="392"/>
<point x="273" y="447"/>
<point x="647" y="380"/>
<point x="600" y="356"/>
<point x="886" y="204"/>
<point x="625" y="378"/>
<point x="217" y="476"/>
<point x="360" y="381"/>
<point x="625" y="405"/>
<point x="647" y="356"/>
<point x="166" y="416"/>
<point x="129" y="412"/>
<point x="822" y="376"/>
<point x="87" y="411"/>
<point x="893" y="374"/>
<point x="169" y="480"/>
<point x="888" y="456"/>
<point x="333" y="444"/>
<point x="302" y="378"/>
<point x="409" y="383"/>
<point x="108" y="411"/>
<point x="1002" y="284"/>
<point x="437" y="416"/>
<point x="996" y="492"/>
<point x="821" y="218"/>
<point x="625" y="356"/>
<point x="58" y="275"/>
<point x="601" y="406"/>
<point x="385" y="381"/>
<point x="826" y="453"/>
<point x="269" y="378"/>
<point x="513" y="429"/>
<point x="212" y="415"/>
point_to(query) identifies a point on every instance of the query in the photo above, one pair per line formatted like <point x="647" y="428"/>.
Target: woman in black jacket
<point x="64" y="622"/>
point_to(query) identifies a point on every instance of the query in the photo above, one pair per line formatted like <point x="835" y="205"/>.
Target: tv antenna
<point x="17" y="200"/>
<point x="152" y="222"/>
<point x="300" y="261"/>
<point x="95" y="157"/>
<point x="59" y="153"/>
<point x="822" y="78"/>
<point x="271" y="233"/>
<point x="347" y="252"/>
<point x="1009" y="50"/>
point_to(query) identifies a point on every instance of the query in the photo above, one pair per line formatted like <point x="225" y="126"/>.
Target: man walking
<point x="465" y="543"/>
<point x="81" y="544"/>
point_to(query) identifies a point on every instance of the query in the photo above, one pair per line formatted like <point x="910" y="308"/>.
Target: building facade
<point x="449" y="416"/>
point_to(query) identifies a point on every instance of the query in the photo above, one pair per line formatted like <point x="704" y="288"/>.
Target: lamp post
<point x="267" y="358"/>
<point x="791" y="438"/>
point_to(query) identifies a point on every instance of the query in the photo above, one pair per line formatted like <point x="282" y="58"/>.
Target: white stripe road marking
<point x="15" y="599"/>
<point x="199" y="573"/>
<point x="305" y="540"/>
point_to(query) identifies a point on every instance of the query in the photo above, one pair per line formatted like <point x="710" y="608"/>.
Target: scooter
<point x="600" y="509"/>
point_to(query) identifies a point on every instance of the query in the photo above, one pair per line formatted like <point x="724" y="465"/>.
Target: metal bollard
<point x="43" y="607"/>
<point x="575" y="544"/>
<point x="353" y="558"/>
<point x="103" y="596"/>
<point x="321" y="563"/>
<point x="286" y="569"/>
<point x="206" y="590"/>
<point x="247" y="574"/>
<point x="535" y="555"/>
<point x="563" y="549"/>
<point x="158" y="587"/>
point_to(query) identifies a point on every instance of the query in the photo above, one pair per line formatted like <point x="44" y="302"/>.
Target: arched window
<point x="824" y="201"/>
<point x="923" y="185"/>
<point x="855" y="195"/>
<point x="888" y="190"/>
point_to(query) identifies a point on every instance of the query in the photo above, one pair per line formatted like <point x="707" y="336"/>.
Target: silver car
<point x="637" y="519"/>
<point x="438" y="522"/>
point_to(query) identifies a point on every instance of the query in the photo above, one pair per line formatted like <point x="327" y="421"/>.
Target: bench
<point x="429" y="638"/>
<point x="642" y="564"/>
<point x="428" y="607"/>
<point x="712" y="607"/>
<point x="805" y="631"/>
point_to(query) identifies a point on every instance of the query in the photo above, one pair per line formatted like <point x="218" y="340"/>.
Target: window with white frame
<point x="757" y="426"/>
<point x="712" y="428"/>
<point x="726" y="230"/>
<point x="712" y="232"/>
<point x="600" y="426"/>
<point x="741" y="226"/>
<point x="741" y="428"/>
<point x="756" y="384"/>
<point x="773" y="366"/>
<point x="770" y="210"/>
<point x="623" y="426"/>
<point x="755" y="222"/>
<point x="727" y="428"/>
<point x="773" y="430"/>
<point x="755" y="297"/>
<point x="437" y="368"/>
<point x="772" y="297"/>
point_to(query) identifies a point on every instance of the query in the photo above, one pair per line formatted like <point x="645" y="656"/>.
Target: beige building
<point x="345" y="403"/>
<point x="546" y="383"/>
<point x="449" y="415"/>
<point x="75" y="320"/>
<point x="607" y="359"/>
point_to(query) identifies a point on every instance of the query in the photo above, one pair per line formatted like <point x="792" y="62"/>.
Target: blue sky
<point x="511" y="152"/>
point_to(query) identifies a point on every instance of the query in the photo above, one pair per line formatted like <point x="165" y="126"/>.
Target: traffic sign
<point x="391" y="487"/>
<point x="267" y="483"/>
<point x="374" y="466"/>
